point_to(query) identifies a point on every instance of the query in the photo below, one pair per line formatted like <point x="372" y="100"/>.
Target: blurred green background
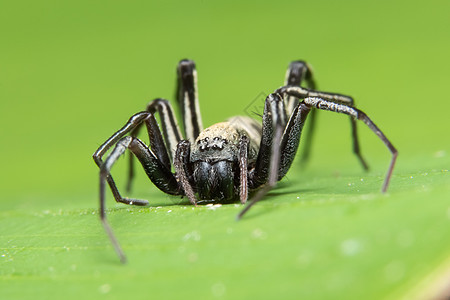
<point x="73" y="72"/>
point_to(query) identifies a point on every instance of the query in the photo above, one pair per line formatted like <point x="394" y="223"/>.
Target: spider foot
<point x="137" y="202"/>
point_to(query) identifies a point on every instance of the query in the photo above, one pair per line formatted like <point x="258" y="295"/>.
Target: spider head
<point x="213" y="161"/>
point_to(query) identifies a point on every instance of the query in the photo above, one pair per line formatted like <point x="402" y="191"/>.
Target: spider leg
<point x="170" y="130"/>
<point x="187" y="96"/>
<point x="325" y="102"/>
<point x="291" y="138"/>
<point x="297" y="73"/>
<point x="360" y="115"/>
<point x="288" y="141"/>
<point x="153" y="166"/>
<point x="155" y="142"/>
<point x="274" y="116"/>
<point x="268" y="161"/>
<point x="132" y="123"/>
<point x="181" y="164"/>
<point x="302" y="93"/>
<point x="273" y="172"/>
<point x="288" y="144"/>
<point x="243" y="168"/>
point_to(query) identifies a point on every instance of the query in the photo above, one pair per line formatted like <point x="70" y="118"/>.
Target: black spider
<point x="224" y="161"/>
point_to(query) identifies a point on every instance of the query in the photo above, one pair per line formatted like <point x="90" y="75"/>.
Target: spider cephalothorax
<point x="226" y="160"/>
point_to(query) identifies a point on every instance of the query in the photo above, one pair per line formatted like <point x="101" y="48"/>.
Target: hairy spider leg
<point x="302" y="93"/>
<point x="243" y="168"/>
<point x="132" y="123"/>
<point x="156" y="171"/>
<point x="360" y="115"/>
<point x="154" y="162"/>
<point x="155" y="143"/>
<point x="274" y="116"/>
<point x="280" y="161"/>
<point x="338" y="103"/>
<point x="300" y="71"/>
<point x="170" y="129"/>
<point x="297" y="73"/>
<point x="181" y="164"/>
<point x="267" y="164"/>
<point x="291" y="138"/>
<point x="187" y="97"/>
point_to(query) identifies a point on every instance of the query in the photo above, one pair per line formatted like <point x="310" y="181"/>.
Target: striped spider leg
<point x="157" y="158"/>
<point x="226" y="160"/>
<point x="278" y="154"/>
<point x="299" y="72"/>
<point x="187" y="99"/>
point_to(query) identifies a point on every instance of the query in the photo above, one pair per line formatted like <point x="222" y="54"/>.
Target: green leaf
<point x="74" y="72"/>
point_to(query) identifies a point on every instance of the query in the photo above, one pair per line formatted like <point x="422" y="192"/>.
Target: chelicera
<point x="225" y="161"/>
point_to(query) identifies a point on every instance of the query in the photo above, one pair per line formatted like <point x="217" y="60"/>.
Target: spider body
<point x="227" y="160"/>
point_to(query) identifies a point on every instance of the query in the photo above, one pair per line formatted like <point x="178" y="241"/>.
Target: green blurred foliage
<point x="73" y="72"/>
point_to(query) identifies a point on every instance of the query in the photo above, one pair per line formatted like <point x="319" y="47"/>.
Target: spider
<point x="226" y="160"/>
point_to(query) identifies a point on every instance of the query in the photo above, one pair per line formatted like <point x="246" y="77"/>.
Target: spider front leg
<point x="156" y="144"/>
<point x="134" y="122"/>
<point x="358" y="115"/>
<point x="181" y="164"/>
<point x="300" y="71"/>
<point x="170" y="129"/>
<point x="266" y="170"/>
<point x="297" y="73"/>
<point x="275" y="164"/>
<point x="155" y="162"/>
<point x="155" y="169"/>
<point x="243" y="168"/>
<point x="336" y="103"/>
